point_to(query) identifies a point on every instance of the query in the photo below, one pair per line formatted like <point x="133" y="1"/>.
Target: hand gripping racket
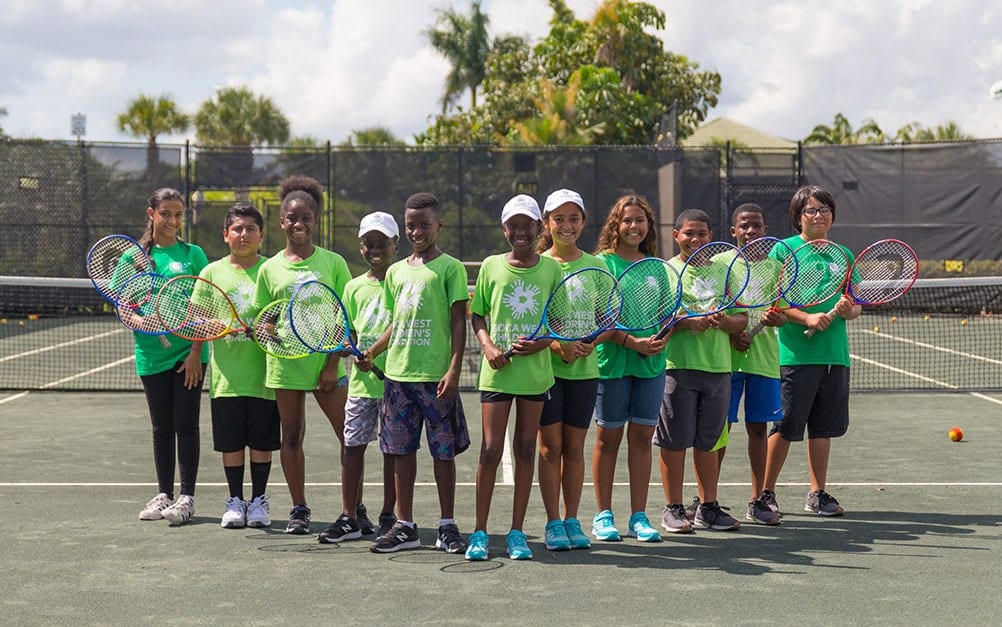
<point x="273" y="332"/>
<point x="112" y="261"/>
<point x="197" y="309"/>
<point x="884" y="271"/>
<point x="767" y="282"/>
<point x="820" y="266"/>
<point x="582" y="306"/>
<point x="320" y="321"/>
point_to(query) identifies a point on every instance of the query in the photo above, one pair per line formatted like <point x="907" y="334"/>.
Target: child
<point x="244" y="412"/>
<point x="320" y="373"/>
<point x="814" y="370"/>
<point x="511" y="291"/>
<point x="755" y="370"/>
<point x="697" y="390"/>
<point x="426" y="296"/>
<point x="379" y="240"/>
<point x="568" y="411"/>
<point x="631" y="380"/>
<point x="172" y="377"/>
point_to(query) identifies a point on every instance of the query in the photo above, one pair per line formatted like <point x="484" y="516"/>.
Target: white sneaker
<point x="259" y="512"/>
<point x="235" y="516"/>
<point x="181" y="511"/>
<point x="153" y="510"/>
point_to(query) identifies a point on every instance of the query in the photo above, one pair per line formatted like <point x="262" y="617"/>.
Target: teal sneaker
<point x="641" y="529"/>
<point x="576" y="536"/>
<point x="476" y="550"/>
<point x="518" y="549"/>
<point x="556" y="536"/>
<point x="604" y="528"/>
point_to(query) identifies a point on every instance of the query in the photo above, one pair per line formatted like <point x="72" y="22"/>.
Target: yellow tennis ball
<point x="894" y="318"/>
<point x="876" y="329"/>
<point x="956" y="434"/>
<point x="20" y="323"/>
<point x="925" y="317"/>
<point x="963" y="322"/>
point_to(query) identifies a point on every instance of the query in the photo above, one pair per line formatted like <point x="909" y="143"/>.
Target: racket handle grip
<point x="508" y="354"/>
<point x="663" y="332"/>
<point x="811" y="332"/>
<point x="752" y="332"/>
<point x="379" y="373"/>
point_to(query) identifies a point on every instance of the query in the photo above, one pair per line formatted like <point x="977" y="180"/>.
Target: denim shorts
<point x="629" y="399"/>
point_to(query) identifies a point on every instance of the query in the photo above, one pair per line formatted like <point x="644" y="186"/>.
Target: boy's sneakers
<point x="398" y="538"/>
<point x="386" y="522"/>
<point x="603" y="527"/>
<point x="759" y="512"/>
<point x="362" y="518"/>
<point x="819" y="502"/>
<point x="299" y="521"/>
<point x="181" y="511"/>
<point x="674" y="519"/>
<point x="691" y="509"/>
<point x="344" y="528"/>
<point x="555" y="536"/>
<point x="235" y="515"/>
<point x="477" y="550"/>
<point x="641" y="529"/>
<point x="449" y="539"/>
<point x="518" y="548"/>
<point x="259" y="512"/>
<point x="769" y="498"/>
<point x="155" y="506"/>
<point x="572" y="526"/>
<point x="712" y="516"/>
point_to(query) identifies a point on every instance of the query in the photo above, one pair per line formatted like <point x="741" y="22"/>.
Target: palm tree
<point x="916" y="132"/>
<point x="236" y="117"/>
<point x="373" y="136"/>
<point x="149" y="117"/>
<point x="3" y="112"/>
<point x="841" y="132"/>
<point x="465" y="43"/>
<point x="556" y="120"/>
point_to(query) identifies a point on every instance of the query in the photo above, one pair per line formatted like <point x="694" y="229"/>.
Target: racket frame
<point x="228" y="328"/>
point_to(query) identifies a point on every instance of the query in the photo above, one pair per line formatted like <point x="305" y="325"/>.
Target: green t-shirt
<point x="513" y="299"/>
<point x="579" y="369"/>
<point x="151" y="356"/>
<point x="616" y="361"/>
<point x="420" y="300"/>
<point x="829" y="347"/>
<point x="237" y="366"/>
<point x="709" y="351"/>
<point x="762" y="358"/>
<point x="278" y="278"/>
<point x="364" y="301"/>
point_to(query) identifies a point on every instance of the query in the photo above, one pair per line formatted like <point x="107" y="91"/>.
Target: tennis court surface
<point x="919" y="543"/>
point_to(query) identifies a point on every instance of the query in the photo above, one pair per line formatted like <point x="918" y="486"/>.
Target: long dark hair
<point x="164" y="194"/>
<point x="608" y="239"/>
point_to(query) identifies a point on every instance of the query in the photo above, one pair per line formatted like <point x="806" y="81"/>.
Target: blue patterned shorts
<point x="406" y="407"/>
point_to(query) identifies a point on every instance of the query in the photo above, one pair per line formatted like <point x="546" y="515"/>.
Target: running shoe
<point x="181" y="511"/>
<point x="575" y="534"/>
<point x="555" y="536"/>
<point x="299" y="521"/>
<point x="449" y="539"/>
<point x="344" y="528"/>
<point x="641" y="529"/>
<point x="259" y="512"/>
<point x="518" y="548"/>
<point x="153" y="510"/>
<point x="604" y="527"/>
<point x="400" y="537"/>
<point x="235" y="514"/>
<point x="477" y="550"/>
<point x="819" y="502"/>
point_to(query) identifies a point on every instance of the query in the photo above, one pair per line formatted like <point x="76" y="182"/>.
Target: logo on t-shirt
<point x="410" y="296"/>
<point x="241" y="296"/>
<point x="521" y="300"/>
<point x="302" y="276"/>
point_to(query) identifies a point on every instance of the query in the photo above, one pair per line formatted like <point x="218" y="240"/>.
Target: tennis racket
<point x="320" y="321"/>
<point x="767" y="282"/>
<point x="884" y="271"/>
<point x="820" y="266"/>
<point x="134" y="305"/>
<point x="112" y="261"/>
<point x="713" y="277"/>
<point x="194" y="308"/>
<point x="273" y="332"/>
<point x="582" y="306"/>
<point x="650" y="290"/>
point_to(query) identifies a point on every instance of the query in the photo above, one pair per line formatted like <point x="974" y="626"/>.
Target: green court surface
<point x="918" y="545"/>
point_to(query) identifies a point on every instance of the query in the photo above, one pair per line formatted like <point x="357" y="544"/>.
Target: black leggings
<point x="174" y="414"/>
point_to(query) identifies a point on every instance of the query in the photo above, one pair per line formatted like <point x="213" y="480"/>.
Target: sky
<point x="337" y="65"/>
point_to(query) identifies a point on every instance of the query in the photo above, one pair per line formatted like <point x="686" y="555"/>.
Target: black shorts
<point x="815" y="400"/>
<point x="571" y="402"/>
<point x="500" y="397"/>
<point x="244" y="421"/>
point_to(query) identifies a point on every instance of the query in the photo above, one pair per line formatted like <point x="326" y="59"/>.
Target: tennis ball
<point x="20" y="323"/>
<point x="876" y="329"/>
<point x="956" y="434"/>
<point x="963" y="322"/>
<point x="894" y="318"/>
<point x="925" y="317"/>
<point x="32" y="316"/>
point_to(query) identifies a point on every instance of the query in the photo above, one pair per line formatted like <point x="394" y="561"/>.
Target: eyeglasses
<point x="813" y="211"/>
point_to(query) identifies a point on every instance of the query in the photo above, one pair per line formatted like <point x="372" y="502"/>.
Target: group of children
<point x="677" y="393"/>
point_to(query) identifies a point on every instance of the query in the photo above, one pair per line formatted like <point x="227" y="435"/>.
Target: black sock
<point x="235" y="480"/>
<point x="259" y="478"/>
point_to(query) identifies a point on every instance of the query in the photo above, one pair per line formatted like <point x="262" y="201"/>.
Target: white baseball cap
<point x="522" y="204"/>
<point x="379" y="221"/>
<point x="560" y="197"/>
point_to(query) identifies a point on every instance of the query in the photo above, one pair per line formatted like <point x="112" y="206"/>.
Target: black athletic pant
<point x="174" y="415"/>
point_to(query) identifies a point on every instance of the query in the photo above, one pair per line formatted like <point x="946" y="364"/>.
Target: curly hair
<point x="608" y="238"/>
<point x="305" y="188"/>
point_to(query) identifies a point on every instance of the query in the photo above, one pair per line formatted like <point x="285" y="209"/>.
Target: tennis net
<point x="58" y="334"/>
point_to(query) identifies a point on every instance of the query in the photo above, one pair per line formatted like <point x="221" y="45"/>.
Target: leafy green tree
<point x="372" y="136"/>
<point x="236" y="117"/>
<point x="916" y="132"/>
<point x="148" y="117"/>
<point x="464" y="41"/>
<point x="841" y="132"/>
<point x="3" y="112"/>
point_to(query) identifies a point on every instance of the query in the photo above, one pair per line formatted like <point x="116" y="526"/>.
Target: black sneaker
<point x="691" y="509"/>
<point x="362" y="518"/>
<point x="712" y="516"/>
<point x="386" y="522"/>
<point x="398" y="538"/>
<point x="822" y="503"/>
<point x="299" y="521"/>
<point x="769" y="498"/>
<point x="344" y="528"/>
<point x="449" y="539"/>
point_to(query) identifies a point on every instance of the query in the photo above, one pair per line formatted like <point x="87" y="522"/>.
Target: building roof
<point x="723" y="129"/>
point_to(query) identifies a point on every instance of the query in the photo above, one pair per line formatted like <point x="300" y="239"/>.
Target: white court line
<point x="85" y="373"/>
<point x="53" y="347"/>
<point x="941" y="349"/>
<point x="14" y="397"/>
<point x="470" y="484"/>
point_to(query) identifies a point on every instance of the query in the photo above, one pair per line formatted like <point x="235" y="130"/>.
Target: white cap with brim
<point x="522" y="204"/>
<point x="562" y="197"/>
<point x="379" y="221"/>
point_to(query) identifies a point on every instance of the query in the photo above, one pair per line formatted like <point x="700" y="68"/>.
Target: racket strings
<point x="135" y="303"/>
<point x="650" y="295"/>
<point x="583" y="303"/>
<point x="318" y="318"/>
<point x="883" y="272"/>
